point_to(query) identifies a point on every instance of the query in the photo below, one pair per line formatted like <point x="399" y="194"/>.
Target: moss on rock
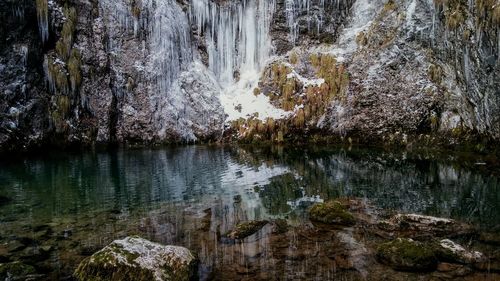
<point x="245" y="229"/>
<point x="134" y="258"/>
<point x="331" y="213"/>
<point x="407" y="255"/>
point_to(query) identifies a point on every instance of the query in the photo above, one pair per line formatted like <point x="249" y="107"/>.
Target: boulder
<point x="135" y="258"/>
<point x="331" y="213"/>
<point x="453" y="252"/>
<point x="407" y="255"/>
<point x="414" y="225"/>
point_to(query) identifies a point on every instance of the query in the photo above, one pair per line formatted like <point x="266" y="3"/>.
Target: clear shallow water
<point x="86" y="200"/>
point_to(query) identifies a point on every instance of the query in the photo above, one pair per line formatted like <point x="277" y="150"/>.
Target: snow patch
<point x="305" y="81"/>
<point x="239" y="101"/>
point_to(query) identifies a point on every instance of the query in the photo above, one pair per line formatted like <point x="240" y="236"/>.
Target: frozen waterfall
<point x="165" y="26"/>
<point x="236" y="35"/>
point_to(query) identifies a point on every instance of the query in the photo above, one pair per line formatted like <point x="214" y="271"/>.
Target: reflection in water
<point x="190" y="196"/>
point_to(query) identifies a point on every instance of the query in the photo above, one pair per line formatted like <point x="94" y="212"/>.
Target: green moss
<point x="75" y="75"/>
<point x="104" y="265"/>
<point x="245" y="229"/>
<point x="407" y="255"/>
<point x="331" y="213"/>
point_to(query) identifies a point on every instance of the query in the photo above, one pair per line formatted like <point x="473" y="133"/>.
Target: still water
<point x="74" y="204"/>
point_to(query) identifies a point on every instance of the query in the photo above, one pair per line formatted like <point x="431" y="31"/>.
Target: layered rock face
<point x="144" y="71"/>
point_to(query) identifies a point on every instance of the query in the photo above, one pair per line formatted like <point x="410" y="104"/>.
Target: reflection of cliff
<point x="394" y="181"/>
<point x="271" y="181"/>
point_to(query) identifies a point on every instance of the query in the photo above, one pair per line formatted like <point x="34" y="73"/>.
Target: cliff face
<point x="145" y="71"/>
<point x="427" y="69"/>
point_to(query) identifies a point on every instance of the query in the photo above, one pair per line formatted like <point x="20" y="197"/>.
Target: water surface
<point x="78" y="203"/>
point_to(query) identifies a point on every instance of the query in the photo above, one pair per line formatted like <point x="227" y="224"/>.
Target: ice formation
<point x="42" y="13"/>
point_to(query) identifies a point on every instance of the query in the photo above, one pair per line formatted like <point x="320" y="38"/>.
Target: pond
<point x="58" y="208"/>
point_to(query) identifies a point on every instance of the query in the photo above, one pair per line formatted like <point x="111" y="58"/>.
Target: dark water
<point x="77" y="203"/>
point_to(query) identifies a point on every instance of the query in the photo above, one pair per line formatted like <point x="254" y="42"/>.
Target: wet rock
<point x="206" y="221"/>
<point x="331" y="213"/>
<point x="280" y="226"/>
<point x="407" y="255"/>
<point x="492" y="264"/>
<point x="450" y="270"/>
<point x="16" y="271"/>
<point x="414" y="225"/>
<point x="31" y="254"/>
<point x="245" y="229"/>
<point x="134" y="258"/>
<point x="453" y="252"/>
<point x="237" y="199"/>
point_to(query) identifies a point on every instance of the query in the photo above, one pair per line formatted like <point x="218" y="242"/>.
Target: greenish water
<point x="89" y="199"/>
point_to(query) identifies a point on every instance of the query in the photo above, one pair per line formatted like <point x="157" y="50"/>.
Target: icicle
<point x="167" y="46"/>
<point x="466" y="66"/>
<point x="236" y="34"/>
<point x="24" y="54"/>
<point x="170" y="44"/>
<point x="42" y="12"/>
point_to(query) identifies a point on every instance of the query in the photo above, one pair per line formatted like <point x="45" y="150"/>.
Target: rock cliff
<point x="150" y="72"/>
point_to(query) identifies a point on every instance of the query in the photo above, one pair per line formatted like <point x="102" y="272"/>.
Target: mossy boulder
<point x="135" y="258"/>
<point x="407" y="255"/>
<point x="16" y="271"/>
<point x="331" y="213"/>
<point x="245" y="229"/>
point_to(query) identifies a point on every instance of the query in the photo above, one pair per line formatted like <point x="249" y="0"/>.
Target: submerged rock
<point x="135" y="258"/>
<point x="407" y="255"/>
<point x="280" y="226"/>
<point x="331" y="213"/>
<point x="16" y="271"/>
<point x="245" y="229"/>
